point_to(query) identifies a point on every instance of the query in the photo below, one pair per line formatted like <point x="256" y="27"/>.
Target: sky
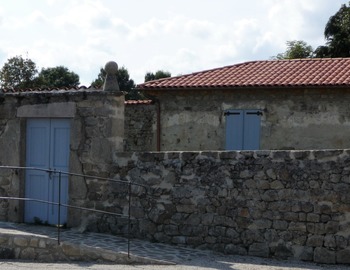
<point x="181" y="36"/>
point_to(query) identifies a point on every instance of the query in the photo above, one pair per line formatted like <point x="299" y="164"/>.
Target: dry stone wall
<point x="283" y="204"/>
<point x="140" y="127"/>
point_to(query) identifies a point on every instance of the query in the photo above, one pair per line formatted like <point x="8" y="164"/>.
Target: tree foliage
<point x="126" y="84"/>
<point x="58" y="77"/>
<point x="337" y="34"/>
<point x="150" y="76"/>
<point x="296" y="49"/>
<point x="18" y="72"/>
<point x="21" y="73"/>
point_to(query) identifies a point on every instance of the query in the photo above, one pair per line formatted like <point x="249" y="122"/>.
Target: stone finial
<point x="111" y="82"/>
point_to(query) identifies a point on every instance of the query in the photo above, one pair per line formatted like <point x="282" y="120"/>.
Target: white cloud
<point x="147" y="36"/>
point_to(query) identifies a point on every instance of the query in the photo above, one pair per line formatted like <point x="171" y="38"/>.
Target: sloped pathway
<point x="98" y="246"/>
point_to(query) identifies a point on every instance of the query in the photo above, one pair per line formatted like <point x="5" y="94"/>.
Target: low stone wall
<point x="46" y="249"/>
<point x="283" y="204"/>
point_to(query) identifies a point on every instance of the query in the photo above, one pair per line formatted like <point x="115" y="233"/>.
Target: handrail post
<point x="59" y="208"/>
<point x="129" y="221"/>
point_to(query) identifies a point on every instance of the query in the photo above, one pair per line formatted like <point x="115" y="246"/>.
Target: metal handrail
<point x="59" y="204"/>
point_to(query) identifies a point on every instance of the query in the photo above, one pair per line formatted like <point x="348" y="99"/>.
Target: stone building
<point x="288" y="104"/>
<point x="283" y="204"/>
<point x="70" y="130"/>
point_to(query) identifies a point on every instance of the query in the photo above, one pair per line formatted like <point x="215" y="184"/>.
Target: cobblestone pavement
<point x="185" y="258"/>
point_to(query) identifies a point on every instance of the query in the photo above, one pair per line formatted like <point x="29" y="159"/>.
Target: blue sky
<point x="179" y="36"/>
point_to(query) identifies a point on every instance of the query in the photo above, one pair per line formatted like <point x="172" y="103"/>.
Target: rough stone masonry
<point x="283" y="204"/>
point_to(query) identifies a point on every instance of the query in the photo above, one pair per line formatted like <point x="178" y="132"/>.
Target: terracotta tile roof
<point x="78" y="88"/>
<point x="82" y="87"/>
<point x="273" y="73"/>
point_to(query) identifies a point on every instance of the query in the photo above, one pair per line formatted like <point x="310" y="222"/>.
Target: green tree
<point x="123" y="77"/>
<point x="98" y="82"/>
<point x="58" y="77"/>
<point x="18" y="72"/>
<point x="150" y="76"/>
<point x="337" y="34"/>
<point x="296" y="49"/>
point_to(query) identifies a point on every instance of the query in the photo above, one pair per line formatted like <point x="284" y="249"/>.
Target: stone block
<point x="276" y="185"/>
<point x="189" y="208"/>
<point x="283" y="251"/>
<point x="217" y="231"/>
<point x="232" y="249"/>
<point x="315" y="241"/>
<point x="263" y="184"/>
<point x="313" y="217"/>
<point x="207" y="218"/>
<point x="195" y="241"/>
<point x="280" y="224"/>
<point x="269" y="196"/>
<point x="171" y="230"/>
<point x="290" y="216"/>
<point x="343" y="256"/>
<point x="70" y="250"/>
<point x="323" y="255"/>
<point x="259" y="250"/>
<point x="109" y="256"/>
<point x="302" y="217"/>
<point x="7" y="253"/>
<point x="271" y="174"/>
<point x="303" y="253"/>
<point x="341" y="242"/>
<point x="3" y="240"/>
<point x="178" y="240"/>
<point x="297" y="226"/>
<point x="260" y="224"/>
<point x="232" y="233"/>
<point x="161" y="237"/>
<point x="307" y="207"/>
<point x="210" y="239"/>
<point x="332" y="227"/>
<point x="21" y="241"/>
<point x="27" y="254"/>
<point x="34" y="242"/>
<point x="329" y="241"/>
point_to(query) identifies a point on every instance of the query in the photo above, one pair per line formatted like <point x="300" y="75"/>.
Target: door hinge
<point x="256" y="113"/>
<point x="231" y="113"/>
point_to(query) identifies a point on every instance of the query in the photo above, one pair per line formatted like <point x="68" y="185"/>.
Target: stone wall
<point x="97" y="130"/>
<point x="283" y="204"/>
<point x="140" y="127"/>
<point x="194" y="120"/>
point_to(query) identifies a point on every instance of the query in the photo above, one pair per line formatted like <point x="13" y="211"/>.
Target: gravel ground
<point x="212" y="262"/>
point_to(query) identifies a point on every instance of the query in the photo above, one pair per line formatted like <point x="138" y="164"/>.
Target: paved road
<point x="212" y="262"/>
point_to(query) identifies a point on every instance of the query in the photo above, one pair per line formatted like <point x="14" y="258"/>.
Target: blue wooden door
<point x="47" y="147"/>
<point x="243" y="129"/>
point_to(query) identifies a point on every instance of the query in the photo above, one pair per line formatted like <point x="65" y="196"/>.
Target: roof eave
<point x="245" y="87"/>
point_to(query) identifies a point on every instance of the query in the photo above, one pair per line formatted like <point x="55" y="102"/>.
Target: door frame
<point x="53" y="125"/>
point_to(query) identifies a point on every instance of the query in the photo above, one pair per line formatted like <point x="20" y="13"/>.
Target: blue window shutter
<point x="251" y="138"/>
<point x="234" y="129"/>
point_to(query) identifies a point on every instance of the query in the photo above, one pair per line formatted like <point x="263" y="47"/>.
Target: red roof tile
<point x="273" y="73"/>
<point x="138" y="102"/>
<point x="37" y="89"/>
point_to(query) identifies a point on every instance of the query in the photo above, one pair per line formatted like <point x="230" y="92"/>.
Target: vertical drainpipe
<point x="158" y="124"/>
